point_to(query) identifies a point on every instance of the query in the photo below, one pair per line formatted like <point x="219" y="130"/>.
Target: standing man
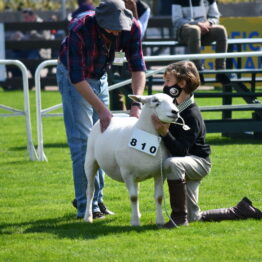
<point x="85" y="55"/>
<point x="196" y="23"/>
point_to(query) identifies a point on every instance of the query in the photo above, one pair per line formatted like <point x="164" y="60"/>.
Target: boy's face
<point x="169" y="79"/>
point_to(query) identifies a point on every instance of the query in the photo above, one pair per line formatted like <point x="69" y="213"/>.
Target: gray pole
<point x="63" y="10"/>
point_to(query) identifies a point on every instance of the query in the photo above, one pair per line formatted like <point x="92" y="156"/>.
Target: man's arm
<point x="131" y="5"/>
<point x="138" y="85"/>
<point x="103" y="112"/>
<point x="213" y="14"/>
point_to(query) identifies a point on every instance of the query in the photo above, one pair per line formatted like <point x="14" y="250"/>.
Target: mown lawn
<point x="37" y="221"/>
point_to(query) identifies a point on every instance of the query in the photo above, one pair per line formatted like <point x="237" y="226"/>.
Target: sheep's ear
<point x="140" y="99"/>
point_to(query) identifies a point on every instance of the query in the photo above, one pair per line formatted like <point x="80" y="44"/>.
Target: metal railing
<point x="168" y="58"/>
<point x="26" y="112"/>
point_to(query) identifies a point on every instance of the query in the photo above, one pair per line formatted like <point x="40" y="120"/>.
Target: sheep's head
<point x="161" y="104"/>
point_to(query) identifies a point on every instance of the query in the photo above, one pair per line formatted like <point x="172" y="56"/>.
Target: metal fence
<point x="41" y="113"/>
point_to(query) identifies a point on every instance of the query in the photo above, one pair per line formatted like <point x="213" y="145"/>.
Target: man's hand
<point x="131" y="5"/>
<point x="105" y="118"/>
<point x="138" y="84"/>
<point x="204" y="27"/>
<point x="103" y="112"/>
<point x="161" y="127"/>
<point x="135" y="111"/>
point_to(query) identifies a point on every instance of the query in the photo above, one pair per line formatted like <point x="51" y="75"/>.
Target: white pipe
<point x="170" y="58"/>
<point x="26" y="112"/>
<point x="40" y="148"/>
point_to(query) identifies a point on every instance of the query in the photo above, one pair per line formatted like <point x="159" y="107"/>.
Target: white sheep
<point x="113" y="151"/>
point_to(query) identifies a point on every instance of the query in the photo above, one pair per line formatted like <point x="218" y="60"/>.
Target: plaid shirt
<point x="85" y="55"/>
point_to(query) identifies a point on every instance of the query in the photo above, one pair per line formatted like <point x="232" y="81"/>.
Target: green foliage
<point x="39" y="4"/>
<point x="70" y="4"/>
<point x="37" y="221"/>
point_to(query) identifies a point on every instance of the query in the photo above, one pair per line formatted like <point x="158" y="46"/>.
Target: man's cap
<point x="113" y="15"/>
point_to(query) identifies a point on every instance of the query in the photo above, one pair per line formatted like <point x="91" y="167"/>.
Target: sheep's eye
<point x="156" y="101"/>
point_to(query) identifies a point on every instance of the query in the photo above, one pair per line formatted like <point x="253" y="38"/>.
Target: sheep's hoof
<point x="135" y="224"/>
<point x="160" y="222"/>
<point x="88" y="219"/>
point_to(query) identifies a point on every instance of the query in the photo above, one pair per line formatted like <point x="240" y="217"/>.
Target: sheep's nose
<point x="175" y="112"/>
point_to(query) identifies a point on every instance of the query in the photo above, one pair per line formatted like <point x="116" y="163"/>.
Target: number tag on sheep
<point x="144" y="142"/>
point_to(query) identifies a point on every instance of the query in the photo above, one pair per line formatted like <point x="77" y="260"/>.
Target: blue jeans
<point x="79" y="117"/>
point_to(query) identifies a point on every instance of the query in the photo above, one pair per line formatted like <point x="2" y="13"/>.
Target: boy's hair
<point x="185" y="70"/>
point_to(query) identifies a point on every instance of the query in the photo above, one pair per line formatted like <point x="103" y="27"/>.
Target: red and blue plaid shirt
<point x="85" y="55"/>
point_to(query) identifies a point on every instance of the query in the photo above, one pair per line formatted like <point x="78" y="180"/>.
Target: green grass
<point x="37" y="221"/>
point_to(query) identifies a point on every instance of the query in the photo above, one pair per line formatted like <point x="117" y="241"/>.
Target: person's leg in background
<point x="191" y="36"/>
<point x="119" y="99"/>
<point x="218" y="34"/>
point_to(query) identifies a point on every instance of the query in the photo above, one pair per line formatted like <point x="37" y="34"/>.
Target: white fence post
<point x="26" y="111"/>
<point x="39" y="112"/>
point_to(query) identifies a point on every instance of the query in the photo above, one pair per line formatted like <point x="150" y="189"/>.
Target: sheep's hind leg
<point x="132" y="187"/>
<point x="158" y="198"/>
<point x="91" y="168"/>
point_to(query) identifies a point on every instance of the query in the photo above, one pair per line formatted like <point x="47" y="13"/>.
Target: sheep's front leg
<point x="132" y="187"/>
<point x="158" y="198"/>
<point x="91" y="168"/>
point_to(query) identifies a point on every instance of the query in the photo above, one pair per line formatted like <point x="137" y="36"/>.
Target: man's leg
<point x="102" y="92"/>
<point x="191" y="37"/>
<point x="78" y="123"/>
<point x="217" y="34"/>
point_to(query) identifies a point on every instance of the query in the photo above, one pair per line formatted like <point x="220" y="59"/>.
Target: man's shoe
<point x="224" y="78"/>
<point x="104" y="210"/>
<point x="74" y="203"/>
<point x="98" y="215"/>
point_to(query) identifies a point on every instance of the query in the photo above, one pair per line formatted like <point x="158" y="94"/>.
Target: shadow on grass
<point x="239" y="140"/>
<point x="49" y="145"/>
<point x="69" y="227"/>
